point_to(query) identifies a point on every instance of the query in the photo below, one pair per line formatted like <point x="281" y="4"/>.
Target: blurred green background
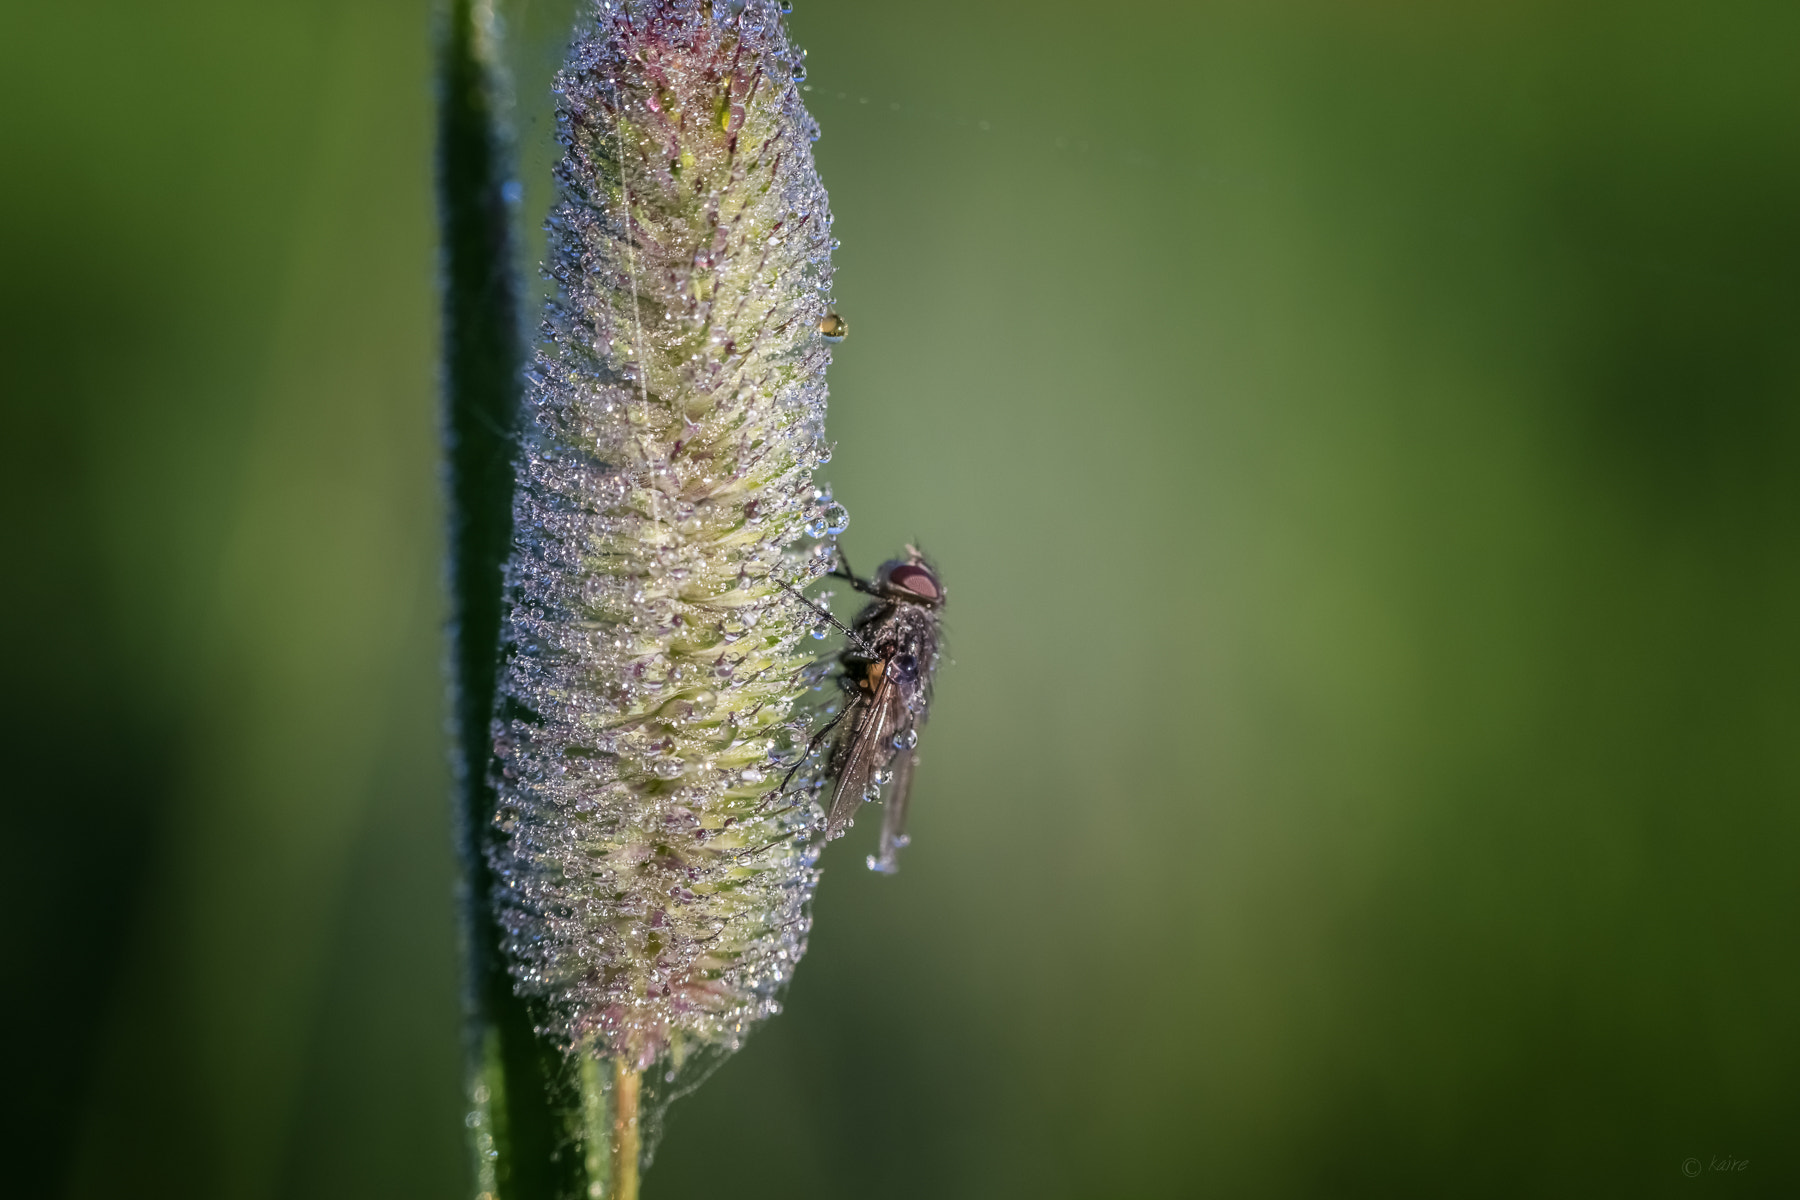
<point x="1362" y="441"/>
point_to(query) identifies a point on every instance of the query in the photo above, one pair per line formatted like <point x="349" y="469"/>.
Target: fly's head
<point x="910" y="580"/>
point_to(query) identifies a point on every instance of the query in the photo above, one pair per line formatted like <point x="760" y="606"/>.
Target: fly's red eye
<point x="915" y="579"/>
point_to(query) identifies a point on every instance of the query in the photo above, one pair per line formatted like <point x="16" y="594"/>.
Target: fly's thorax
<point x="904" y="637"/>
<point x="908" y="628"/>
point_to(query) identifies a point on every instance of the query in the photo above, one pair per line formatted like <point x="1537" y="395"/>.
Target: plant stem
<point x="626" y="1134"/>
<point x="528" y="1107"/>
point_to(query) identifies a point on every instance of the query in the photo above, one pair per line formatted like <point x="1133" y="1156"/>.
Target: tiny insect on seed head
<point x="885" y="673"/>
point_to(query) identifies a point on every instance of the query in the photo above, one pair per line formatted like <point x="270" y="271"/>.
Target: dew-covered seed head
<point x="653" y="901"/>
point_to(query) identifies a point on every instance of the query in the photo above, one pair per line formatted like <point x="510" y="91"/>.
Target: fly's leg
<point x="843" y="571"/>
<point x="810" y="747"/>
<point x="855" y="638"/>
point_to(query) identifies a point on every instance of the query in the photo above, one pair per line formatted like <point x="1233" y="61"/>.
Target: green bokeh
<point x="1363" y="446"/>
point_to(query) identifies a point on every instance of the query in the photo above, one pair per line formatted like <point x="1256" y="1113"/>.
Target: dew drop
<point x="834" y="328"/>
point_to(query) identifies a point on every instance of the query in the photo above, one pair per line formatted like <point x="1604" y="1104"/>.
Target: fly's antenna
<point x="848" y="632"/>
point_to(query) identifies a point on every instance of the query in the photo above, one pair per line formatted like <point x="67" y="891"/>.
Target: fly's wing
<point x="863" y="749"/>
<point x="893" y="817"/>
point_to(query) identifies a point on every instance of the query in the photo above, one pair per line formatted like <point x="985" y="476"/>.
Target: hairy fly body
<point x="885" y="672"/>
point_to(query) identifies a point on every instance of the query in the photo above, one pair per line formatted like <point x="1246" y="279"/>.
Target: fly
<point x="885" y="671"/>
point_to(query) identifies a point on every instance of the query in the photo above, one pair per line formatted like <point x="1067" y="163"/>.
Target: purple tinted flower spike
<point x="650" y="899"/>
